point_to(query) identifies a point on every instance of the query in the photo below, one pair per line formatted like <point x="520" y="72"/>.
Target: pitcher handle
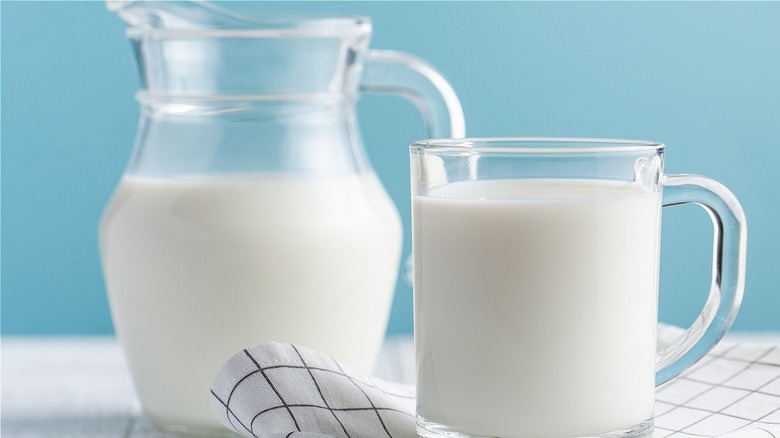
<point x="728" y="271"/>
<point x="392" y="72"/>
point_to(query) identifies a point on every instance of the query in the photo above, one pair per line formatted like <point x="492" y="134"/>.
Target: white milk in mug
<point x="200" y="267"/>
<point x="519" y="286"/>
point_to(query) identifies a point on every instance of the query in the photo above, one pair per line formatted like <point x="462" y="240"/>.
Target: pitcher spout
<point x="193" y="14"/>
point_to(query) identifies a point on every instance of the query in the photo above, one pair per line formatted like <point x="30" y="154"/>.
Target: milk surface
<point x="535" y="306"/>
<point x="201" y="267"/>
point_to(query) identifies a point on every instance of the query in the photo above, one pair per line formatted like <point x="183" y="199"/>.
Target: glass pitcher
<point x="248" y="211"/>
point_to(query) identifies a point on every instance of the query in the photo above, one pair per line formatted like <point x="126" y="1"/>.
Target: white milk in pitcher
<point x="535" y="306"/>
<point x="199" y="268"/>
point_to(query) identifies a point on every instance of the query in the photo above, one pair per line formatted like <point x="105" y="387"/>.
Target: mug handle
<point x="399" y="73"/>
<point x="728" y="271"/>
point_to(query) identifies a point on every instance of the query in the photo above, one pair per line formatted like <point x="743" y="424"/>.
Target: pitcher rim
<point x="208" y="19"/>
<point x="337" y="31"/>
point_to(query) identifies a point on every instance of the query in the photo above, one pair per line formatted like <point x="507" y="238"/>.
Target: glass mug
<point x="536" y="270"/>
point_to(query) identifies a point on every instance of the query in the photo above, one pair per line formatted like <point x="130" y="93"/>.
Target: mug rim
<point x="533" y="145"/>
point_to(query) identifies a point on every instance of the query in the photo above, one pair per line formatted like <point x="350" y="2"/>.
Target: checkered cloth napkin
<point x="278" y="390"/>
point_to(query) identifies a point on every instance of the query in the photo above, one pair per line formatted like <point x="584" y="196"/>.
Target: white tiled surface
<point x="80" y="388"/>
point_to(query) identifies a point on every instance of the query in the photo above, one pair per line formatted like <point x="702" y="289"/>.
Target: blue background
<point x="704" y="78"/>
